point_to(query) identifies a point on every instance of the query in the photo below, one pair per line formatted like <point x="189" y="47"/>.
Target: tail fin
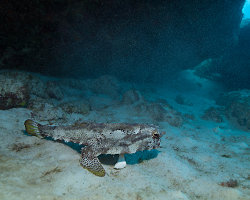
<point x="32" y="128"/>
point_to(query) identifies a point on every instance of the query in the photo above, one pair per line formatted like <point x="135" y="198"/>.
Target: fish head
<point x="152" y="139"/>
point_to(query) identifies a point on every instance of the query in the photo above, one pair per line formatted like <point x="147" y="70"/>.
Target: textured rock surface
<point x="53" y="90"/>
<point x="44" y="111"/>
<point x="14" y="92"/>
<point x="159" y="111"/>
<point x="235" y="66"/>
<point x="212" y="114"/>
<point x="81" y="107"/>
<point x="232" y="69"/>
<point x="208" y="69"/>
<point x="237" y="107"/>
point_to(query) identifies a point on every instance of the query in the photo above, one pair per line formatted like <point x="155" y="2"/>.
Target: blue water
<point x="246" y="10"/>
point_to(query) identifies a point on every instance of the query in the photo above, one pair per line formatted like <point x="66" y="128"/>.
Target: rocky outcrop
<point x="81" y="107"/>
<point x="159" y="111"/>
<point x="13" y="91"/>
<point x="44" y="111"/>
<point x="213" y="114"/>
<point x="53" y="90"/>
<point x="237" y="107"/>
<point x="235" y="66"/>
<point x="231" y="69"/>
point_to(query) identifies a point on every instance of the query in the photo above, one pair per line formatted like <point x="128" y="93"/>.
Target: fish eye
<point x="155" y="135"/>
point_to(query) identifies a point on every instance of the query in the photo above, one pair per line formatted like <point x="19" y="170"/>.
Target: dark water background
<point x="138" y="41"/>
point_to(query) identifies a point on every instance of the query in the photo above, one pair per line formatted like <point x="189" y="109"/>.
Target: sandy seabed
<point x="196" y="161"/>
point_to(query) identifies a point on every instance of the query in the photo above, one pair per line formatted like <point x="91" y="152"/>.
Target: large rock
<point x="209" y="69"/>
<point x="231" y="69"/>
<point x="237" y="107"/>
<point x="14" y="92"/>
<point x="212" y="114"/>
<point x="53" y="90"/>
<point x="18" y="89"/>
<point x="159" y="113"/>
<point x="44" y="111"/>
<point x="81" y="107"/>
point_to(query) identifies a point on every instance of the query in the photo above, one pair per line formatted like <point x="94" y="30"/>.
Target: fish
<point x="100" y="138"/>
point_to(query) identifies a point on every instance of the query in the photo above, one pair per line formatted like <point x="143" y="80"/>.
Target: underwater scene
<point x="125" y="100"/>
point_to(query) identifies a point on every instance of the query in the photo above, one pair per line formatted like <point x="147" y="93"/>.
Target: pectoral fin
<point x="90" y="162"/>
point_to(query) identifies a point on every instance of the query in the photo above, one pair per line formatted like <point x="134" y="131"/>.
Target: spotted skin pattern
<point x="91" y="163"/>
<point x="100" y="138"/>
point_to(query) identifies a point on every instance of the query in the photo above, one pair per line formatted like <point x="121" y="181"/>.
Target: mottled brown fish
<point x="100" y="138"/>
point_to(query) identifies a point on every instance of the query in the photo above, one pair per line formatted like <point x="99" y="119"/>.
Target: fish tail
<point x="32" y="128"/>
